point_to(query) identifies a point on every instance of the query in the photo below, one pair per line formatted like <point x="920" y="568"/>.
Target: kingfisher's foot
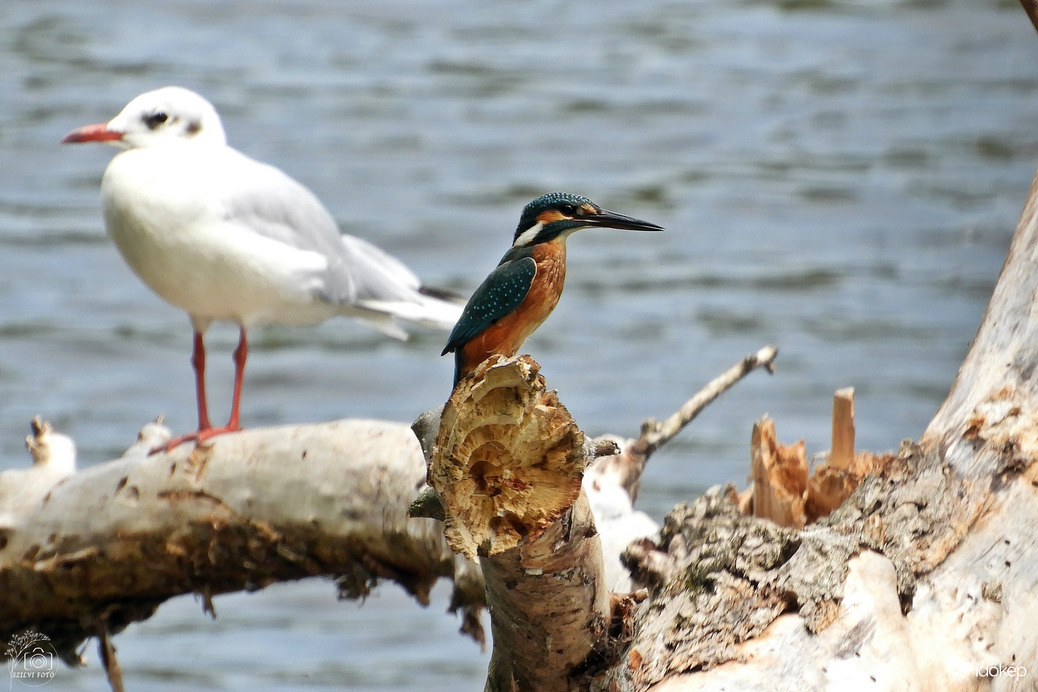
<point x="198" y="437"/>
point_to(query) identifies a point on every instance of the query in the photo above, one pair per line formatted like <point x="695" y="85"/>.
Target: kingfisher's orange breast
<point x="506" y="336"/>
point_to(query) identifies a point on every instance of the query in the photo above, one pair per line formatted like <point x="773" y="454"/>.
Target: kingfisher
<point x="526" y="285"/>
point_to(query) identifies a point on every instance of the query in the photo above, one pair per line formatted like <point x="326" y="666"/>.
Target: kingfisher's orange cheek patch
<point x="550" y="216"/>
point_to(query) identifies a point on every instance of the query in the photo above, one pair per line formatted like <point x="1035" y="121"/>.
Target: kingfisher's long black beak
<point x="610" y="219"/>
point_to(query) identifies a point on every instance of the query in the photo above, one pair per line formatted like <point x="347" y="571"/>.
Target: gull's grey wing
<point x="273" y="205"/>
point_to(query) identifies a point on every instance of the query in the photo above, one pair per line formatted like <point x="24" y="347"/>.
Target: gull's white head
<point x="167" y="115"/>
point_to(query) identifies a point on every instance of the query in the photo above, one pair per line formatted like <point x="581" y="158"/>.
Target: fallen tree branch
<point x="624" y="464"/>
<point x="97" y="549"/>
<point x="106" y="652"/>
<point x="655" y="435"/>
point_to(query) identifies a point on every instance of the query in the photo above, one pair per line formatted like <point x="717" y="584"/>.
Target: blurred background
<point x="840" y="179"/>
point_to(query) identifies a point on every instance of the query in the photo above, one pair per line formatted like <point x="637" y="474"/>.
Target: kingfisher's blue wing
<point x="499" y="294"/>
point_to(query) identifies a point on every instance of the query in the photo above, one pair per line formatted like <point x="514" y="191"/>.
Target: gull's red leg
<point x="240" y="355"/>
<point x="198" y="362"/>
<point x="205" y="429"/>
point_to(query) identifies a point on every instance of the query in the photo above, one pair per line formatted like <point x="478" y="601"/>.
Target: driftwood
<point x="920" y="578"/>
<point x="908" y="571"/>
<point x="784" y="490"/>
<point x="507" y="464"/>
<point x="84" y="553"/>
<point x="923" y="579"/>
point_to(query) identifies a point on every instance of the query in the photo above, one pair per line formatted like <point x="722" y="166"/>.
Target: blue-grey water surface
<point x="840" y="179"/>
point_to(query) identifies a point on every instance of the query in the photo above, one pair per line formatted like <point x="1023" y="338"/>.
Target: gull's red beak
<point x="92" y="133"/>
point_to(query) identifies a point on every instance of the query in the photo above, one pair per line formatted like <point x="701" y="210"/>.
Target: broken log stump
<point x="507" y="465"/>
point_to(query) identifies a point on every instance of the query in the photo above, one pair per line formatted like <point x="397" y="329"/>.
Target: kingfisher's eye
<point x="568" y="209"/>
<point x="155" y="119"/>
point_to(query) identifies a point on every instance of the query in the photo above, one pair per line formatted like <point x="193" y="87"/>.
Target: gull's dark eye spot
<point x="155" y="119"/>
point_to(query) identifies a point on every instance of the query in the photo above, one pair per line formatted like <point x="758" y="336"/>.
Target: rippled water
<point x="838" y="178"/>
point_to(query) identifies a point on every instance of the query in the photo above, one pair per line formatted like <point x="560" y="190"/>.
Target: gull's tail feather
<point x="424" y="310"/>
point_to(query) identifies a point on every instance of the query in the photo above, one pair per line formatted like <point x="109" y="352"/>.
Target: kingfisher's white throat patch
<point x="527" y="236"/>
